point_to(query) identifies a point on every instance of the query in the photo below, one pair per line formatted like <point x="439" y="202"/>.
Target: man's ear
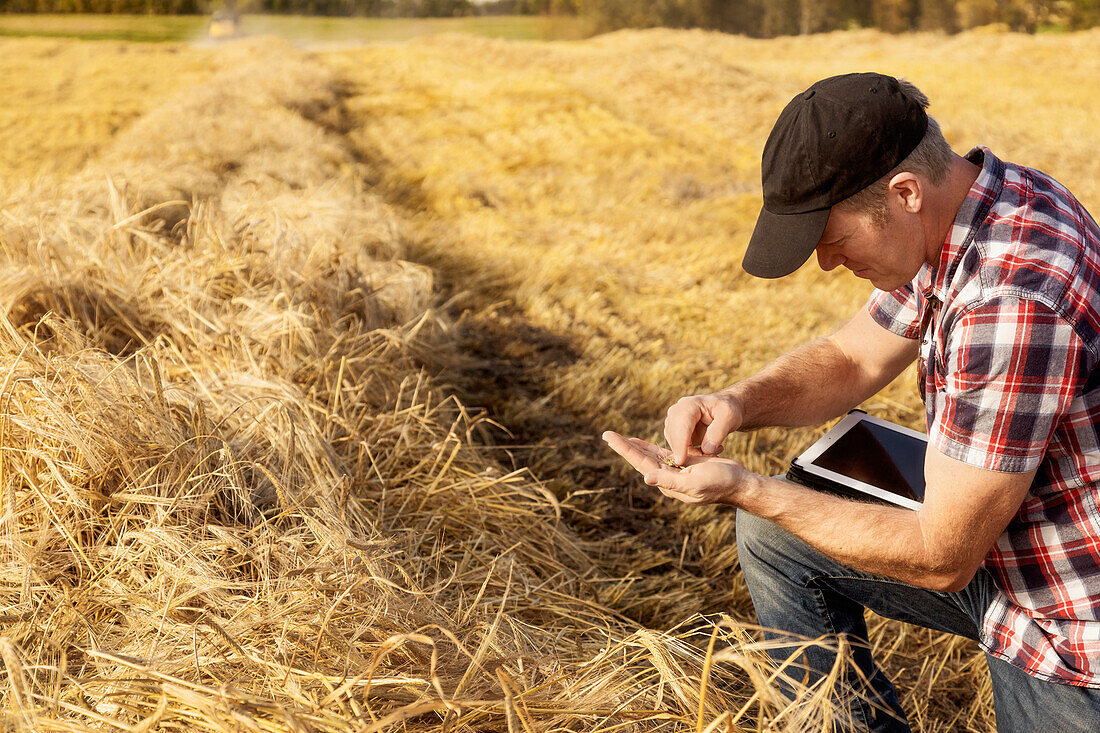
<point x="906" y="190"/>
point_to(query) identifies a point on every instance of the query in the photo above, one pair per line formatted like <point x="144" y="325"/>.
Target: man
<point x="987" y="273"/>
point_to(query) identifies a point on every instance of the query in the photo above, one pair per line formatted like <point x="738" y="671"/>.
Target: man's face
<point x="889" y="256"/>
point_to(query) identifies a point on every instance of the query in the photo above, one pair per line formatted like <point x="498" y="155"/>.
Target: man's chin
<point x="883" y="284"/>
<point x="879" y="281"/>
<point x="886" y="284"/>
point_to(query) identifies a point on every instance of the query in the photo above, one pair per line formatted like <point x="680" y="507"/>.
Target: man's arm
<point x="939" y="547"/>
<point x="825" y="378"/>
<point x="810" y="385"/>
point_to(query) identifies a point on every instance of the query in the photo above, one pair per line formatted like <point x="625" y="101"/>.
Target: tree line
<point x="357" y="8"/>
<point x="761" y="18"/>
<point x="767" y="18"/>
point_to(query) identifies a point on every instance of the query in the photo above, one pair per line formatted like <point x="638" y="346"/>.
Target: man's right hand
<point x="704" y="421"/>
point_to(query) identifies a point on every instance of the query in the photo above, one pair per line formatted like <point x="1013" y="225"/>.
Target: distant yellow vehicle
<point x="224" y="24"/>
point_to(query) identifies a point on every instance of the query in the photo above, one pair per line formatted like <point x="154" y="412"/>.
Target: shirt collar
<point x="932" y="281"/>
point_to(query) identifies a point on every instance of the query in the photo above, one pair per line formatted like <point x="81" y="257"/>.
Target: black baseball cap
<point x="831" y="141"/>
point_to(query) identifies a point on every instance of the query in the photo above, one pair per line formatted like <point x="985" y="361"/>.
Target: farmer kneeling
<point x="987" y="272"/>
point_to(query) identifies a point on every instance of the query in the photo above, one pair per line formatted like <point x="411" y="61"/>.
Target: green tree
<point x="938" y="15"/>
<point x="1083" y="14"/>
<point x="781" y="18"/>
<point x="894" y="16"/>
<point x="975" y="13"/>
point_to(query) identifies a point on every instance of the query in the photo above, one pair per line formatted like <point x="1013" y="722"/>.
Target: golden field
<point x="308" y="354"/>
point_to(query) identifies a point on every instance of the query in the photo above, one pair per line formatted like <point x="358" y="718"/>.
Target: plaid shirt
<point x="1009" y="323"/>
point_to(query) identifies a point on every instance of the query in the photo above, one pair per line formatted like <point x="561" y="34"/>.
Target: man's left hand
<point x="702" y="480"/>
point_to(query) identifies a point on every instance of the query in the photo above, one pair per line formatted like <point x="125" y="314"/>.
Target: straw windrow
<point x="233" y="495"/>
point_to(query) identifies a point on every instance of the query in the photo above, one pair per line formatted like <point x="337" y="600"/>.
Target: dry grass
<point x="593" y="200"/>
<point x="237" y="490"/>
<point x="233" y="496"/>
<point x="63" y="100"/>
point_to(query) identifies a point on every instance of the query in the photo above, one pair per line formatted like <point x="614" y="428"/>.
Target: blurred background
<point x="544" y="19"/>
<point x="313" y="312"/>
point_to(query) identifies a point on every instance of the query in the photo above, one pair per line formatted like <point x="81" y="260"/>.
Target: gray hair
<point x="931" y="159"/>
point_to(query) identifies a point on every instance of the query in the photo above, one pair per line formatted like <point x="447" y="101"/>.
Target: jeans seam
<point x="883" y="581"/>
<point x="979" y="623"/>
<point x="823" y="608"/>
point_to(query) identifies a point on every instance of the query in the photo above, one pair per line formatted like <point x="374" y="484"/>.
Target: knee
<point x="764" y="548"/>
<point x="757" y="539"/>
<point x="770" y="564"/>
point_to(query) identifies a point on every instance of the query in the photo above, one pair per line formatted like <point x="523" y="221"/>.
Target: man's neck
<point x="947" y="198"/>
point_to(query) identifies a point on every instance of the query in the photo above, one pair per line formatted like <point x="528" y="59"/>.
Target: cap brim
<point x="781" y="243"/>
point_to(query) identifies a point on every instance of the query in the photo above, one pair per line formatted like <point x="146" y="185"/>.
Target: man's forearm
<point x="808" y="386"/>
<point x="871" y="537"/>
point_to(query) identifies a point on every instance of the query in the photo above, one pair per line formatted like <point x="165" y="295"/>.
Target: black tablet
<point x="866" y="457"/>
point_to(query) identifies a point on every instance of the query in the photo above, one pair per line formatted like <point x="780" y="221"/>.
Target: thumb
<point x="664" y="478"/>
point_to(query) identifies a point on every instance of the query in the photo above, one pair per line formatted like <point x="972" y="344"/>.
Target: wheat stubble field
<point x="307" y="352"/>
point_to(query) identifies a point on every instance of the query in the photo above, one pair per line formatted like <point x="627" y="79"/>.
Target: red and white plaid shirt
<point x="1010" y="352"/>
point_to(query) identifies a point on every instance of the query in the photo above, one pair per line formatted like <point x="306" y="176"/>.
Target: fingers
<point x="723" y="422"/>
<point x="703" y="479"/>
<point x="703" y="420"/>
<point x="643" y="459"/>
<point x="698" y="434"/>
<point x="665" y="479"/>
<point x="654" y="451"/>
<point x="678" y="485"/>
<point x="646" y="447"/>
<point x="680" y="426"/>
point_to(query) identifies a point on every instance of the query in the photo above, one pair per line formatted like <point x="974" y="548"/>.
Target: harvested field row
<point x="588" y="205"/>
<point x="238" y="490"/>
<point x="64" y="100"/>
<point x="235" y="492"/>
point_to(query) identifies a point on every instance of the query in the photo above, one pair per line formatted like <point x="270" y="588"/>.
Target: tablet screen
<point x="877" y="455"/>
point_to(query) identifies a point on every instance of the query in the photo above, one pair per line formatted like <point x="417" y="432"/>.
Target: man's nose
<point x="828" y="260"/>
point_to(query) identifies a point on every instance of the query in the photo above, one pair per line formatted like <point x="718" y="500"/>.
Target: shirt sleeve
<point x="1011" y="368"/>
<point x="898" y="311"/>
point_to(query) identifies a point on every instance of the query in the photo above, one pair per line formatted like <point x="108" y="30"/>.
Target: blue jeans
<point x="798" y="590"/>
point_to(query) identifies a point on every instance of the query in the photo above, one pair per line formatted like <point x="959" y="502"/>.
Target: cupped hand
<point x="701" y="420"/>
<point x="702" y="480"/>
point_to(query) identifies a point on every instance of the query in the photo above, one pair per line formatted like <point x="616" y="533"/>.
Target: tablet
<point x="866" y="457"/>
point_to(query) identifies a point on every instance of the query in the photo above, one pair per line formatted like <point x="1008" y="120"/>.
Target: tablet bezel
<point x="805" y="464"/>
